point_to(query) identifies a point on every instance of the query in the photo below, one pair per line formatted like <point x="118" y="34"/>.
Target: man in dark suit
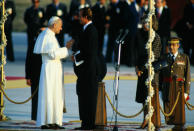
<point x="164" y="20"/>
<point x="86" y="71"/>
<point x="10" y="7"/>
<point x="34" y="18"/>
<point x="58" y="9"/>
<point x="175" y="78"/>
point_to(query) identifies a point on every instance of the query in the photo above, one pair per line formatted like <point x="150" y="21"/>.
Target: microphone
<point x="119" y="36"/>
<point x="126" y="32"/>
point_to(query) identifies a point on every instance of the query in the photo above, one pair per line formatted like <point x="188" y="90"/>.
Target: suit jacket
<point x="87" y="72"/>
<point x="164" y="22"/>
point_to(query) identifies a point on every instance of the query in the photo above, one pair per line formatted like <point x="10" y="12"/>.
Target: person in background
<point x="175" y="78"/>
<point x="145" y="6"/>
<point x="99" y="20"/>
<point x="75" y="25"/>
<point x="164" y="20"/>
<point x="51" y="84"/>
<point x="34" y="18"/>
<point x="10" y="9"/>
<point x="58" y="9"/>
<point x="142" y="73"/>
<point x="188" y="33"/>
<point x="113" y="26"/>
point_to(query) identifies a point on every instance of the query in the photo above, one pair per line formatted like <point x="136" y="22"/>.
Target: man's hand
<point x="70" y="43"/>
<point x="28" y="82"/>
<point x="138" y="72"/>
<point x="189" y="25"/>
<point x="42" y="28"/>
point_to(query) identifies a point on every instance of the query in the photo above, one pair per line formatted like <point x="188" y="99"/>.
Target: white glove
<point x="186" y="96"/>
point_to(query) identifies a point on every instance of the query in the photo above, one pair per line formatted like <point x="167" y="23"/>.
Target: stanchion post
<point x="101" y="116"/>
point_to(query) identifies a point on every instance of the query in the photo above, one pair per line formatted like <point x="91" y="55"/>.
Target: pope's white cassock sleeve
<point x="51" y="85"/>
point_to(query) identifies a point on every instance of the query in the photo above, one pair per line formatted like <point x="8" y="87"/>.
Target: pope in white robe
<point x="51" y="95"/>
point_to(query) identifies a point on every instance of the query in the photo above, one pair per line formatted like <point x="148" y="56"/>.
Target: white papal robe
<point x="51" y="95"/>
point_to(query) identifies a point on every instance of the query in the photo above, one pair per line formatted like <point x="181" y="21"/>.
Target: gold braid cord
<point x="23" y="102"/>
<point x="175" y="104"/>
<point x="132" y="116"/>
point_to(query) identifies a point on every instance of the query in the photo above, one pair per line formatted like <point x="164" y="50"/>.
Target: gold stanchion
<point x="101" y="116"/>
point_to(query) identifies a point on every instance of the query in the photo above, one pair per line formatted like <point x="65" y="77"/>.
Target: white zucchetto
<point x="53" y="20"/>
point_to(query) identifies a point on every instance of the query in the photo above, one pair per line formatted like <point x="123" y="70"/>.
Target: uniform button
<point x="171" y="71"/>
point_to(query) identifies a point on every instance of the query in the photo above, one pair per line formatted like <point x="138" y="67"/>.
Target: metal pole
<point x="149" y="68"/>
<point x="2" y="66"/>
<point x="117" y="85"/>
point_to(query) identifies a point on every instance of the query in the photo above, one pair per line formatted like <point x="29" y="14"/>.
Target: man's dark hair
<point x="33" y="1"/>
<point x="87" y="12"/>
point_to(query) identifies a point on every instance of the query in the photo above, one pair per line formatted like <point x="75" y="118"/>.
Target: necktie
<point x="158" y="15"/>
<point x="173" y="58"/>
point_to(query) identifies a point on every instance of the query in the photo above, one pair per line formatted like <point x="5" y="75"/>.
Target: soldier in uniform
<point x="10" y="8"/>
<point x="34" y="19"/>
<point x="112" y="19"/>
<point x="58" y="9"/>
<point x="99" y="21"/>
<point x="175" y="79"/>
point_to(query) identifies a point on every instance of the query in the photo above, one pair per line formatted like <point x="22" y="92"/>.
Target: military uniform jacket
<point x="175" y="79"/>
<point x="113" y="17"/>
<point x="177" y="69"/>
<point x="34" y="18"/>
<point x="10" y="8"/>
<point x="99" y="16"/>
<point x="60" y="11"/>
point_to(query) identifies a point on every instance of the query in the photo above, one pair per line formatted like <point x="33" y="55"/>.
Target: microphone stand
<point x="117" y="72"/>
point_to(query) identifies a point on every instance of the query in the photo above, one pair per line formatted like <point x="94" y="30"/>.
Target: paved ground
<point x="19" y="91"/>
